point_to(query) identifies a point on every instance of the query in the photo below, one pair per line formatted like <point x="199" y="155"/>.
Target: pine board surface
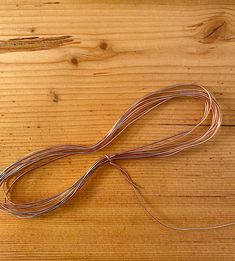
<point x="68" y="70"/>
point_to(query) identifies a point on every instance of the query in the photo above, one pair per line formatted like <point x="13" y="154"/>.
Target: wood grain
<point x="69" y="73"/>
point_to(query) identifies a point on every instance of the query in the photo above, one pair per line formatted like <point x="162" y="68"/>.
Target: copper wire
<point x="162" y="148"/>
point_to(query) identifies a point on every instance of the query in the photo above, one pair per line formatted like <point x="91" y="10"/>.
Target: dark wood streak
<point x="34" y="43"/>
<point x="51" y="3"/>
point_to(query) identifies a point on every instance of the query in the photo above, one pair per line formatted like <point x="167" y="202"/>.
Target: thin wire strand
<point x="162" y="148"/>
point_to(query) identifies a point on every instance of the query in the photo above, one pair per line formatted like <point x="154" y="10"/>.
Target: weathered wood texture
<point x="68" y="71"/>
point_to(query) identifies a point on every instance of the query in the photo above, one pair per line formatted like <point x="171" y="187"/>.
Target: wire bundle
<point x="162" y="148"/>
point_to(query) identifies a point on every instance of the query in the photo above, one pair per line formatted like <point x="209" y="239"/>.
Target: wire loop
<point x="162" y="148"/>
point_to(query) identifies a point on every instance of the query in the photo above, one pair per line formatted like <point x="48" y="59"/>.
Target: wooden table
<point x="68" y="71"/>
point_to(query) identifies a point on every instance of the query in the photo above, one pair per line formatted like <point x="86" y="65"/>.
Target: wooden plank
<point x="68" y="71"/>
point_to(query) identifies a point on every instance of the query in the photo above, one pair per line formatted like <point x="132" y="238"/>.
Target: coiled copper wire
<point x="162" y="148"/>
